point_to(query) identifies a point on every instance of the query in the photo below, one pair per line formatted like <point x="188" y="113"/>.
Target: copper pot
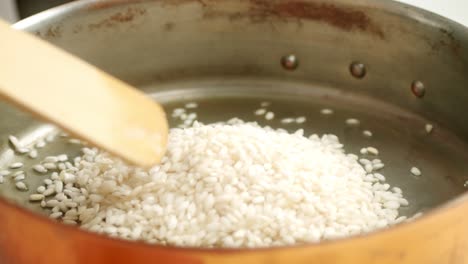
<point x="395" y="66"/>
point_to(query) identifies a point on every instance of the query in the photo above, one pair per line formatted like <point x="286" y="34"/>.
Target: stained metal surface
<point x="229" y="55"/>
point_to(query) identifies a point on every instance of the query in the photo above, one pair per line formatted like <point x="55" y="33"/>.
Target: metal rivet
<point x="358" y="70"/>
<point x="418" y="89"/>
<point x="290" y="62"/>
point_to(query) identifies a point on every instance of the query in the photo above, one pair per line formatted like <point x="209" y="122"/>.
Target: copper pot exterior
<point x="441" y="237"/>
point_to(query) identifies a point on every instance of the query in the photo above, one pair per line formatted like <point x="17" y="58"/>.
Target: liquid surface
<point x="399" y="136"/>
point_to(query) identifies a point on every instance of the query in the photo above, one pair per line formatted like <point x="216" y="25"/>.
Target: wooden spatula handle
<point x="81" y="99"/>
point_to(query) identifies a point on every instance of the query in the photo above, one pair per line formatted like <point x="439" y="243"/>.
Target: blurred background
<point x="13" y="10"/>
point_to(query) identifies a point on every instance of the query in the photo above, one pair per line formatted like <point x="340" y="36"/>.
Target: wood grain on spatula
<point x="81" y="99"/>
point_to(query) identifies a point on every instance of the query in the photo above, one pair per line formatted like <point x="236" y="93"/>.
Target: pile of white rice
<point x="226" y="185"/>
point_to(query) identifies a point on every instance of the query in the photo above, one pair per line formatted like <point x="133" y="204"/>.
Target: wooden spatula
<point x="81" y="99"/>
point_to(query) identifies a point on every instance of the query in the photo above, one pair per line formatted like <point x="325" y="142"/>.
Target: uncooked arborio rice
<point x="228" y="185"/>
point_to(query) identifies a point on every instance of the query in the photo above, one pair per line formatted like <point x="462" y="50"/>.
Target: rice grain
<point x="227" y="185"/>
<point x="415" y="171"/>
<point x="16" y="165"/>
